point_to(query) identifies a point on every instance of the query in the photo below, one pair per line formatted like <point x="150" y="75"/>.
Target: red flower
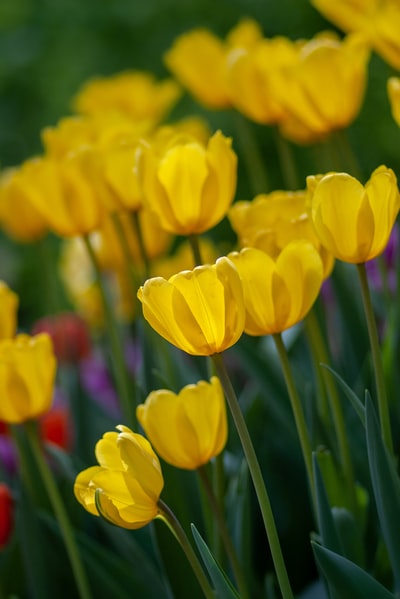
<point x="6" y="514"/>
<point x="55" y="427"/>
<point x="69" y="333"/>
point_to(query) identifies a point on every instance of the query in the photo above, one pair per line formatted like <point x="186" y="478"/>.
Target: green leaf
<point x="386" y="487"/>
<point x="355" y="401"/>
<point x="326" y="523"/>
<point x="348" y="580"/>
<point x="221" y="582"/>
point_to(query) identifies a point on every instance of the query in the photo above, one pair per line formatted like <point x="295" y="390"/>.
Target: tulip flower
<point x="189" y="186"/>
<point x="69" y="334"/>
<point x="135" y="94"/>
<point x="354" y="221"/>
<point x="18" y="216"/>
<point x="377" y="20"/>
<point x="200" y="311"/>
<point x="189" y="428"/>
<point x="27" y="371"/>
<point x="6" y="514"/>
<point x="278" y="293"/>
<point x="323" y="91"/>
<point x="271" y="221"/>
<point x="8" y="311"/>
<point x="126" y="486"/>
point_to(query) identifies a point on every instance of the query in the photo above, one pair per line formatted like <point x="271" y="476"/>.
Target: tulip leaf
<point x="386" y="488"/>
<point x="355" y="401"/>
<point x="348" y="580"/>
<point x="223" y="586"/>
<point x="326" y="523"/>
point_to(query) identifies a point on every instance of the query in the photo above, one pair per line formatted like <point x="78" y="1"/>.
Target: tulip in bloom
<point x="278" y="293"/>
<point x="27" y="372"/>
<point x="126" y="486"/>
<point x="200" y="311"/>
<point x="377" y="20"/>
<point x="8" y="311"/>
<point x="354" y="221"/>
<point x="6" y="514"/>
<point x="189" y="428"/>
<point x="189" y="186"/>
<point x="271" y="221"/>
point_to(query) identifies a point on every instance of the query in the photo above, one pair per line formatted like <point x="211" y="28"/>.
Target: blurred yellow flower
<point x="198" y="60"/>
<point x="324" y="90"/>
<point x="62" y="192"/>
<point x="136" y="94"/>
<point x="183" y="259"/>
<point x="377" y="20"/>
<point x="354" y="221"/>
<point x="125" y="487"/>
<point x="27" y="372"/>
<point x="270" y="221"/>
<point x="278" y="293"/>
<point x="200" y="311"/>
<point x="189" y="428"/>
<point x="393" y="88"/>
<point x="189" y="186"/>
<point x="8" y="311"/>
<point x="18" y="216"/>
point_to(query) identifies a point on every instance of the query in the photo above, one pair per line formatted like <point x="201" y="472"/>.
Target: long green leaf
<point x="386" y="487"/>
<point x="221" y="582"/>
<point x="348" y="580"/>
<point x="326" y="523"/>
<point x="356" y="403"/>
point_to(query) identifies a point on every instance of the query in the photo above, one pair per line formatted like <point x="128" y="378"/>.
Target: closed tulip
<point x="200" y="311"/>
<point x="188" y="185"/>
<point x="27" y="372"/>
<point x="271" y="221"/>
<point x="354" y="221"/>
<point x="377" y="20"/>
<point x="125" y="487"/>
<point x="278" y="293"/>
<point x="189" y="428"/>
<point x="8" y="311"/>
<point x="6" y="514"/>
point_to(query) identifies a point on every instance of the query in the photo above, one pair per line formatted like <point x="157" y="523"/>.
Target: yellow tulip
<point x="377" y="20"/>
<point x="135" y="94"/>
<point x="189" y="428"/>
<point x="324" y="90"/>
<point x="271" y="221"/>
<point x="27" y="372"/>
<point x="354" y="221"/>
<point x="18" y="216"/>
<point x="393" y="88"/>
<point x="278" y="293"/>
<point x="189" y="186"/>
<point x="62" y="192"/>
<point x="199" y="311"/>
<point x="8" y="312"/>
<point x="126" y="486"/>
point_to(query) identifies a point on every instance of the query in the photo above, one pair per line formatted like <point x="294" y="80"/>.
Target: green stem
<point x="251" y="154"/>
<point x="117" y="354"/>
<point x="287" y="163"/>
<point x="224" y="532"/>
<point x="59" y="510"/>
<point x="256" y="476"/>
<point x="142" y="248"/>
<point x="126" y="250"/>
<point x="167" y="515"/>
<point x="195" y="246"/>
<point x="320" y="354"/>
<point x="376" y="357"/>
<point x="298" y="412"/>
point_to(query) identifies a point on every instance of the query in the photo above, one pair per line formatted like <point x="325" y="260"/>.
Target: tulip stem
<point x="376" y="357"/>
<point x="126" y="250"/>
<point x="59" y="511"/>
<point x="320" y="355"/>
<point x="117" y="353"/>
<point x="256" y="476"/>
<point x="288" y="166"/>
<point x="142" y="247"/>
<point x="195" y="246"/>
<point x="223" y="529"/>
<point x="251" y="154"/>
<point x="169" y="518"/>
<point x="298" y="412"/>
